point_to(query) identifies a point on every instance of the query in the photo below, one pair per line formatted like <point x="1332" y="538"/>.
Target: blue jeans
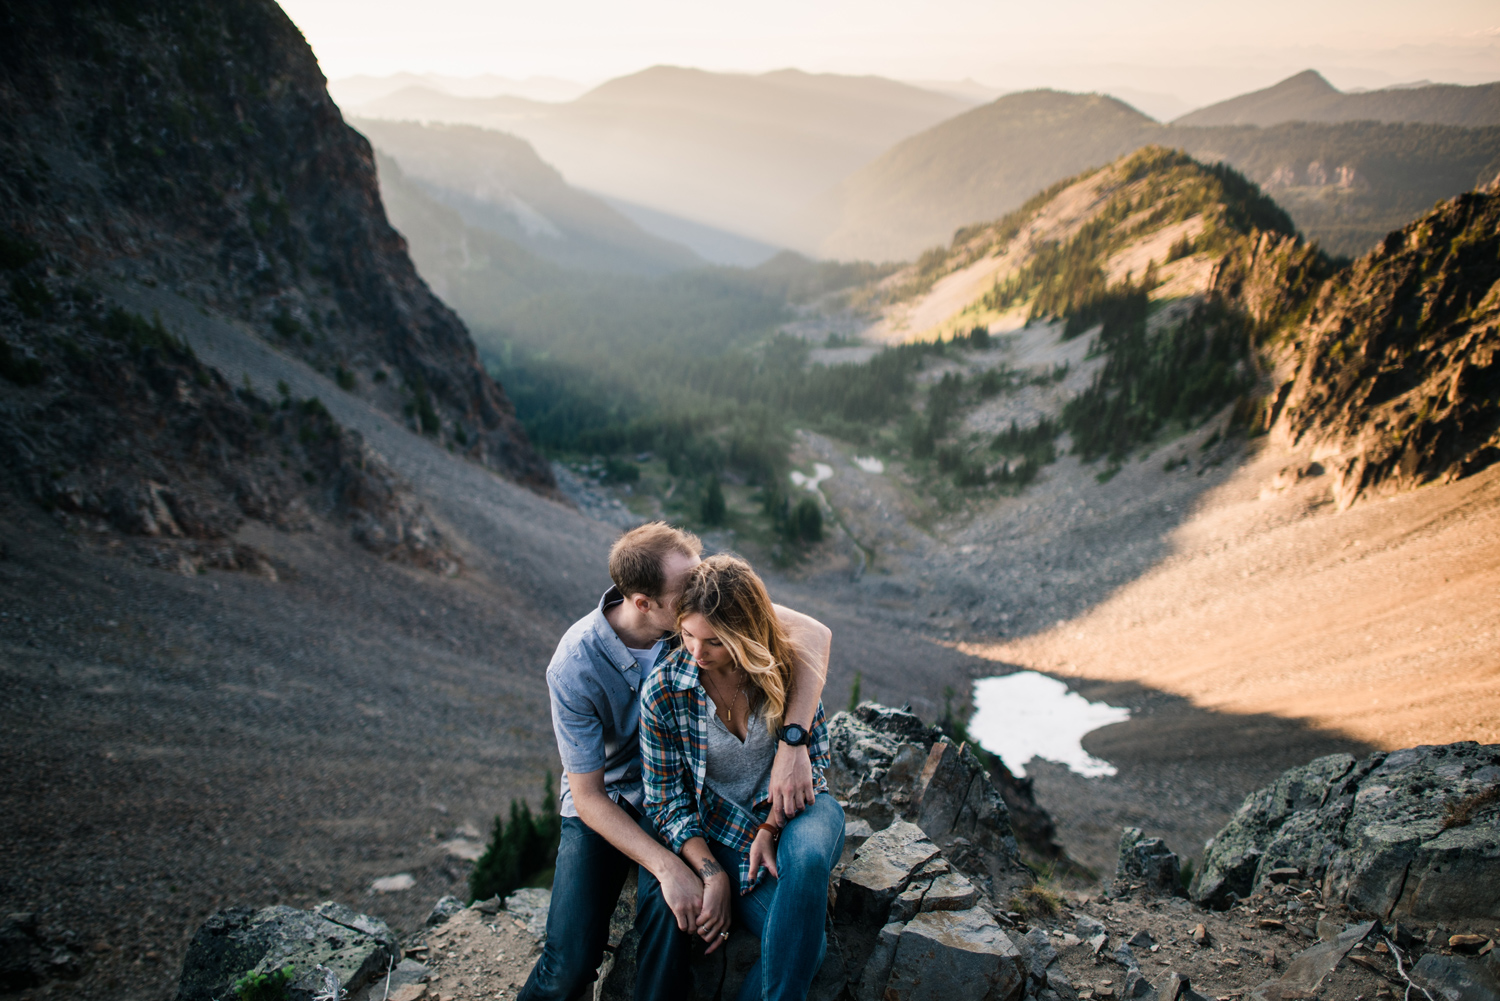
<point x="585" y="890"/>
<point x="789" y="912"/>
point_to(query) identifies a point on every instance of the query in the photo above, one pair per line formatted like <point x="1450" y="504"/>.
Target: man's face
<point x="663" y="614"/>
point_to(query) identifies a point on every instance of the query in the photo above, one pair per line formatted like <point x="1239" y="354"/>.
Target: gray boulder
<point x="1460" y="978"/>
<point x="1146" y="862"/>
<point x="444" y="909"/>
<point x="954" y="956"/>
<point x="1413" y="833"/>
<point x="241" y="940"/>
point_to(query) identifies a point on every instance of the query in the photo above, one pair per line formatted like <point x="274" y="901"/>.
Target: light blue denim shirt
<point x="595" y="684"/>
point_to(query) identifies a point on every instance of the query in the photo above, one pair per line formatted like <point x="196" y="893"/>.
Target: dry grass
<point x="1037" y="900"/>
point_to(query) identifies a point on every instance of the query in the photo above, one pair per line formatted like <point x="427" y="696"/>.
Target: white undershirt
<point x="647" y="657"/>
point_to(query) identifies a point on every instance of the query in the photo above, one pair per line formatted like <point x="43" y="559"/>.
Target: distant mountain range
<point x="497" y="182"/>
<point x="868" y="168"/>
<point x="1307" y="97"/>
<point x="738" y="152"/>
<point x="1346" y="184"/>
<point x="351" y="91"/>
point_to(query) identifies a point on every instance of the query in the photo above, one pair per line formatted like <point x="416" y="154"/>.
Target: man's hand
<point x="791" y="780"/>
<point x="683" y="893"/>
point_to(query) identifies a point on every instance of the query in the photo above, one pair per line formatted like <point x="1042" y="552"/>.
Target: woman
<point x="711" y="717"/>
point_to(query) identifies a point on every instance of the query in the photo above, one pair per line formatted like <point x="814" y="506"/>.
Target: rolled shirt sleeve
<point x="579" y="727"/>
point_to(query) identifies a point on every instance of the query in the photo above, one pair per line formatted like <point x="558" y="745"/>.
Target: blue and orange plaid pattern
<point x="674" y="753"/>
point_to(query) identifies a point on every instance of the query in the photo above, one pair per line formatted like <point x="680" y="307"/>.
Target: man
<point x="594" y="682"/>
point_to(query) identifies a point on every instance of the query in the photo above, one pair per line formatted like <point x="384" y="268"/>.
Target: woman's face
<point x="703" y="643"/>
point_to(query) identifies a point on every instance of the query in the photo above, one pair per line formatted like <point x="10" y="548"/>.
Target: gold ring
<point x="723" y="934"/>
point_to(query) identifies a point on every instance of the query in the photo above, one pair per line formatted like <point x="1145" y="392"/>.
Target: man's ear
<point x="641" y="603"/>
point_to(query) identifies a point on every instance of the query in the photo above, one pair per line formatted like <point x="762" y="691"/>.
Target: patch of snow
<point x="821" y="472"/>
<point x="1030" y="715"/>
<point x="869" y="463"/>
<point x="393" y="884"/>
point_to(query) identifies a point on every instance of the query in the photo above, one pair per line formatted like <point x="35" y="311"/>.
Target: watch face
<point x="794" y="734"/>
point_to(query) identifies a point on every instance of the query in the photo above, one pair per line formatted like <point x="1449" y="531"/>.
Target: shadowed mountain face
<point x="1345" y="184"/>
<point x="1395" y="378"/>
<point x="1307" y="97"/>
<point x="735" y="151"/>
<point x="193" y="146"/>
<point x="498" y="183"/>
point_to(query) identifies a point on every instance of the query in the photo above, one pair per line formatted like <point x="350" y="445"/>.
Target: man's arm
<point x="791" y="773"/>
<point x="680" y="887"/>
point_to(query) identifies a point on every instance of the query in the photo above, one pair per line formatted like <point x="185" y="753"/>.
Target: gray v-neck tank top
<point x="738" y="771"/>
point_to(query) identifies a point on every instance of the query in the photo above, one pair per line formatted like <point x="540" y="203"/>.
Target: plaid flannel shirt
<point x="674" y="755"/>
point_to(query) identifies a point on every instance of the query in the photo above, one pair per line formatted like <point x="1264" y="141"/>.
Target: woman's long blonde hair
<point x="731" y="596"/>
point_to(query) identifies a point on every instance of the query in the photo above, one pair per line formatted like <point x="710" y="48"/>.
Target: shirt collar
<point x="682" y="670"/>
<point x="609" y="640"/>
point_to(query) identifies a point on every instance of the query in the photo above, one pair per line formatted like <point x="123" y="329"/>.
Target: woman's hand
<point x="763" y="853"/>
<point x="713" y="920"/>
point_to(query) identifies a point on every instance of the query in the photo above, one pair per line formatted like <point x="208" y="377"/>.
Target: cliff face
<point x="193" y="145"/>
<point x="1393" y="379"/>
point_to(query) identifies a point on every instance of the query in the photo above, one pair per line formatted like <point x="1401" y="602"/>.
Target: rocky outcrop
<point x="1392" y="380"/>
<point x="193" y="146"/>
<point x="329" y="941"/>
<point x="1413" y="833"/>
<point x="1147" y="863"/>
<point x="887" y="765"/>
<point x="919" y="902"/>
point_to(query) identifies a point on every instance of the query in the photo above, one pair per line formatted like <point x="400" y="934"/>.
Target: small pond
<point x="1029" y="715"/>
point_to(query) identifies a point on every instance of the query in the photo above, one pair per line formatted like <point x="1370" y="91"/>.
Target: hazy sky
<point x="1193" y="48"/>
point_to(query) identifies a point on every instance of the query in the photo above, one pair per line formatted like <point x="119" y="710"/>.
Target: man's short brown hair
<point x="637" y="558"/>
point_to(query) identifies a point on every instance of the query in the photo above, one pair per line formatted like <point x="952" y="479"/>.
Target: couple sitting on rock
<point x="688" y="718"/>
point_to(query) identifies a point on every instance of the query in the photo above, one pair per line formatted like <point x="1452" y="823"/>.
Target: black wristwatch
<point x="794" y="735"/>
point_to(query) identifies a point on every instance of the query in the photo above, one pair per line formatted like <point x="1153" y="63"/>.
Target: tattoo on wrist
<point x="709" y="868"/>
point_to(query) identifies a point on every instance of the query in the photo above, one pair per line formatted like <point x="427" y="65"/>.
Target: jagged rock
<point x="240" y="940"/>
<point x="882" y="868"/>
<point x="530" y="906"/>
<point x="954" y="956"/>
<point x="1037" y="953"/>
<point x="1460" y="978"/>
<point x="1087" y="927"/>
<point x="444" y="909"/>
<point x="1176" y="987"/>
<point x="1141" y="940"/>
<point x="1147" y="861"/>
<point x="1136" y="985"/>
<point x="1413" y="833"/>
<point x="877" y="971"/>
<point x="1309" y="967"/>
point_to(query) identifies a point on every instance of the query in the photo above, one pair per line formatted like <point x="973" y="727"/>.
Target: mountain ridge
<point x="738" y="151"/>
<point x="497" y="182"/>
<point x="1309" y="97"/>
<point x="1345" y="183"/>
<point x="211" y="158"/>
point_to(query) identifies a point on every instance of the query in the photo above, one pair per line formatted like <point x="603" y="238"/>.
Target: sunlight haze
<point x="1199" y="53"/>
